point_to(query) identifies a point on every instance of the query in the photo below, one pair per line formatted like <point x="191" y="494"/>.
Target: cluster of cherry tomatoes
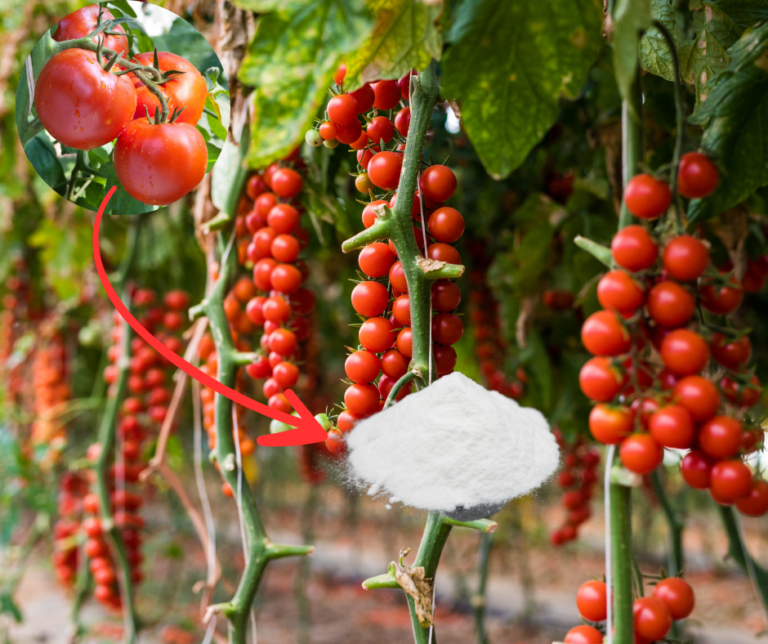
<point x="672" y="599"/>
<point x="73" y="488"/>
<point x="489" y="346"/>
<point x="51" y="391"/>
<point x="651" y="375"/>
<point x="84" y="104"/>
<point x="381" y="299"/>
<point x="577" y="479"/>
<point x="15" y="310"/>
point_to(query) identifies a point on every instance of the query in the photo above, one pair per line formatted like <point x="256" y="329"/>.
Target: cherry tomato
<point x="582" y="634"/>
<point x="591" y="601"/>
<point x="380" y="129"/>
<point x="81" y="105"/>
<point x="720" y="437"/>
<point x="328" y="130"/>
<point x="370" y="299"/>
<point x="755" y="503"/>
<point x="369" y="214"/>
<point x="732" y="354"/>
<point x="721" y="299"/>
<point x="187" y="90"/>
<point x="437" y="183"/>
<point x="159" y="164"/>
<point x="264" y="204"/>
<point x="445" y="358"/>
<point x="386" y="94"/>
<point x="672" y="426"/>
<point x="729" y="480"/>
<point x="600" y="380"/>
<point x="447" y="328"/>
<point x="443" y="253"/>
<point x="446" y="225"/>
<point x="82" y="22"/>
<point x="401" y="310"/>
<point x="376" y="259"/>
<point x="350" y="134"/>
<point x="335" y="442"/>
<point x="342" y="110"/>
<point x="446" y="296"/>
<point x="695" y="468"/>
<point x="283" y="218"/>
<point x="283" y="341"/>
<point x="639" y="453"/>
<point x="684" y="352"/>
<point x="286" y="183"/>
<point x="670" y="304"/>
<point x="286" y="278"/>
<point x="384" y="170"/>
<point x="634" y="249"/>
<point x="403" y="121"/>
<point x="741" y="394"/>
<point x="610" y="425"/>
<point x="362" y="399"/>
<point x="618" y="291"/>
<point x="363" y="183"/>
<point x="646" y="197"/>
<point x="259" y="368"/>
<point x="603" y="334"/>
<point x="256" y="186"/>
<point x="276" y="309"/>
<point x="340" y="74"/>
<point x="286" y="374"/>
<point x="362" y="367"/>
<point x="394" y="364"/>
<point x="364" y="98"/>
<point x="698" y="395"/>
<point x="397" y="277"/>
<point x="685" y="258"/>
<point x="285" y="248"/>
<point x="376" y="334"/>
<point x="404" y="342"/>
<point x="697" y="177"/>
<point x="652" y="618"/>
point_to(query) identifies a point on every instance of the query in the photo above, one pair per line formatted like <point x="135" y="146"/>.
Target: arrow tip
<point x="307" y="432"/>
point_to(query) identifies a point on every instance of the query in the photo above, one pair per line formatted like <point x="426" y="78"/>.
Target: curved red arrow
<point x="307" y="431"/>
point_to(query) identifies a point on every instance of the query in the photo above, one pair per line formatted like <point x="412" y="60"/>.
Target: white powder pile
<point x="454" y="447"/>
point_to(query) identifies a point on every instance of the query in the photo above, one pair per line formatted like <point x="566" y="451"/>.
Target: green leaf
<point x="655" y="56"/>
<point x="29" y="128"/>
<point x="735" y="120"/>
<point x="744" y="13"/>
<point x="630" y="19"/>
<point x="291" y="63"/>
<point x="405" y="37"/>
<point x="509" y="101"/>
<point x="121" y="202"/>
<point x="265" y="6"/>
<point x="9" y="607"/>
<point x="42" y="155"/>
<point x="124" y="6"/>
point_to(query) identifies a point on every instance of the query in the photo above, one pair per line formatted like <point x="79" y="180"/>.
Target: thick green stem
<point x="676" y="527"/>
<point x="631" y="142"/>
<point x="621" y="540"/>
<point x="106" y="439"/>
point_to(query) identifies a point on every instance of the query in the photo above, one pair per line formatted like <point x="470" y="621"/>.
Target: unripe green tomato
<point x="324" y="421"/>
<point x="331" y="144"/>
<point x="89" y="336"/>
<point x="313" y="138"/>
<point x="277" y="426"/>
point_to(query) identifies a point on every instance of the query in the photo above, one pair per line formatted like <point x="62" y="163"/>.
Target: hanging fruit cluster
<point x="577" y="479"/>
<point x="381" y="297"/>
<point x="672" y="599"/>
<point x="72" y="490"/>
<point x="652" y="377"/>
<point x="15" y="310"/>
<point x="51" y="392"/>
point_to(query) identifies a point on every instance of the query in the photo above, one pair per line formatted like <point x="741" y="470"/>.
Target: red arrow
<point x="307" y="431"/>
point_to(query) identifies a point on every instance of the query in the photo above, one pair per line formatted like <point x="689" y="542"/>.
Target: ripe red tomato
<point x="376" y="334"/>
<point x="386" y="94"/>
<point x="401" y="310"/>
<point x="616" y="290"/>
<point x="754" y="504"/>
<point x="342" y="110"/>
<point x="697" y="177"/>
<point x="364" y="97"/>
<point x="285" y="248"/>
<point x="695" y="468"/>
<point x="187" y="90"/>
<point x="610" y="424"/>
<point x="634" y="249"/>
<point x="604" y="334"/>
<point x="652" y="618"/>
<point x="264" y="204"/>
<point x="732" y="354"/>
<point x="276" y="309"/>
<point x="335" y="442"/>
<point x="286" y="183"/>
<point x="80" y="23"/>
<point x="370" y="298"/>
<point x="445" y="358"/>
<point x="446" y="225"/>
<point x="443" y="253"/>
<point x="369" y="214"/>
<point x="720" y="437"/>
<point x="286" y="374"/>
<point x="729" y="480"/>
<point x="670" y="304"/>
<point x="685" y="258"/>
<point x="437" y="183"/>
<point x="380" y="129"/>
<point x="698" y="395"/>
<point x="591" y="601"/>
<point x="684" y="352"/>
<point x="397" y="277"/>
<point x="403" y="121"/>
<point x="362" y="399"/>
<point x="376" y="259"/>
<point x="639" y="453"/>
<point x="740" y="394"/>
<point x="721" y="299"/>
<point x="672" y="426"/>
<point x="362" y="367"/>
<point x="81" y="105"/>
<point x="259" y="368"/>
<point x="283" y="341"/>
<point x="394" y="364"/>
<point x="256" y="186"/>
<point x="328" y="131"/>
<point x="646" y="197"/>
<point x="583" y="634"/>
<point x="283" y="218"/>
<point x="447" y="328"/>
<point x="600" y="380"/>
<point x="446" y="296"/>
<point x="286" y="278"/>
<point x="159" y="164"/>
<point x="384" y="170"/>
<point x="404" y="342"/>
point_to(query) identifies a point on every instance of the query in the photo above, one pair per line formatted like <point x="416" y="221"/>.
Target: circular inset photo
<point x="123" y="94"/>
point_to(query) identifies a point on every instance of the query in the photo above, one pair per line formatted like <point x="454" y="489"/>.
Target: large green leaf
<point x="510" y="63"/>
<point x="655" y="56"/>
<point x="735" y="120"/>
<point x="291" y="63"/>
<point x="405" y="38"/>
<point x="744" y="13"/>
<point x="121" y="202"/>
<point x="630" y="19"/>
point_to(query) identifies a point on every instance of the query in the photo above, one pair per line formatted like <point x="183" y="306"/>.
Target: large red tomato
<point x="80" y="104"/>
<point x="80" y="23"/>
<point x="159" y="164"/>
<point x="186" y="90"/>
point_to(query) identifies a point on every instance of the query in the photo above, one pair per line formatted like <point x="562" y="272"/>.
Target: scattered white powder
<point x="454" y="447"/>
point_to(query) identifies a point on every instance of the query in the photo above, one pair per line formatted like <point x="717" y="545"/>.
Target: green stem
<point x="631" y="142"/>
<point x="79" y="165"/>
<point x="479" y="599"/>
<point x="676" y="526"/>
<point x="737" y="550"/>
<point x="106" y="439"/>
<point x="621" y="540"/>
<point x="408" y="377"/>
